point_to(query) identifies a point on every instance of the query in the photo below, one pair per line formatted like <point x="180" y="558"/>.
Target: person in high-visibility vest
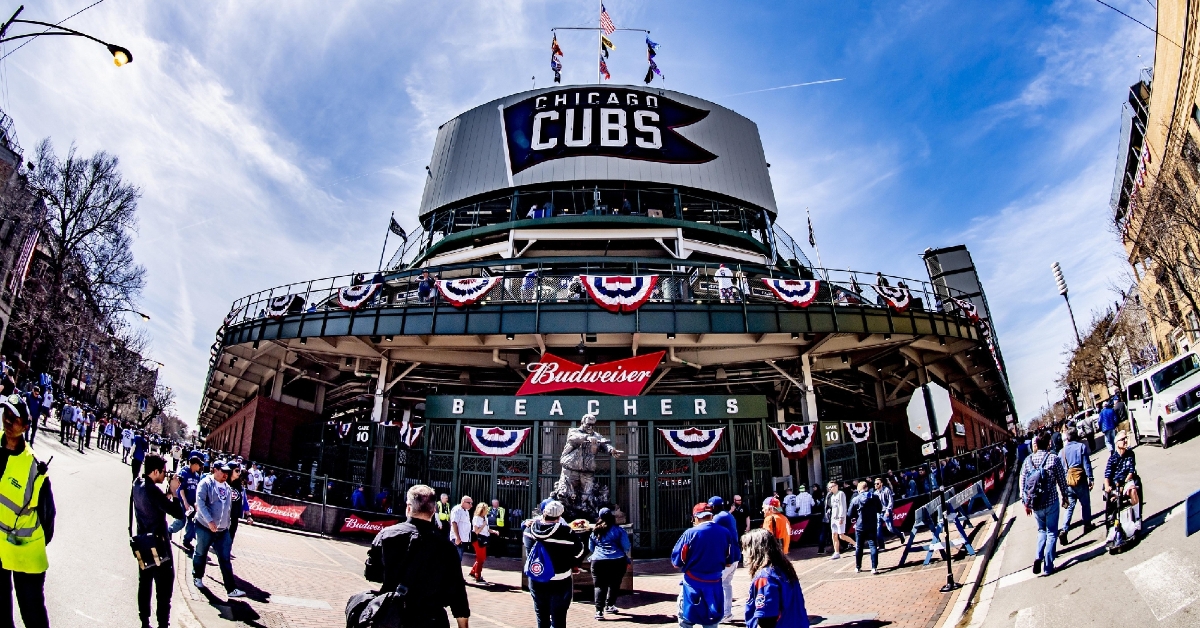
<point x="26" y="517"/>
<point x="443" y="515"/>
<point x="496" y="514"/>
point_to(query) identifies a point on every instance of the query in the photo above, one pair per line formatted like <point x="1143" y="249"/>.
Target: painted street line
<point x="1032" y="617"/>
<point x="301" y="602"/>
<point x="85" y="615"/>
<point x="1166" y="582"/>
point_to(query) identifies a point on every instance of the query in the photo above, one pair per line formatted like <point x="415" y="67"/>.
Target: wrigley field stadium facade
<point x="603" y="250"/>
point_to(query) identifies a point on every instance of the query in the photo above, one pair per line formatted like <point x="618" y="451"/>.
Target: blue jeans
<point x="219" y="541"/>
<point x="551" y="601"/>
<point x="859" y="540"/>
<point x="1109" y="438"/>
<point x="1083" y="496"/>
<point x="1047" y="523"/>
<point x="884" y="523"/>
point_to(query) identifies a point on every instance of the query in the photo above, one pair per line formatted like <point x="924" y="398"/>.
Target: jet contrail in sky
<point x="771" y="89"/>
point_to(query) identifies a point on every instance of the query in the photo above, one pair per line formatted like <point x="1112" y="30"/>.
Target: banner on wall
<point x="692" y="442"/>
<point x="287" y="514"/>
<point x="796" y="292"/>
<point x="356" y="524"/>
<point x="620" y="377"/>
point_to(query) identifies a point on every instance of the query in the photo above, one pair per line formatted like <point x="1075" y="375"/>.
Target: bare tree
<point x="162" y="401"/>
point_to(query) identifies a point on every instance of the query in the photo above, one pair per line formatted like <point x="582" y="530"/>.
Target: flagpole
<point x="599" y="41"/>
<point x="814" y="245"/>
<point x="385" y="239"/>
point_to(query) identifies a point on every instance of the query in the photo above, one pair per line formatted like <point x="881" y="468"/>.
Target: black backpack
<point x="379" y="609"/>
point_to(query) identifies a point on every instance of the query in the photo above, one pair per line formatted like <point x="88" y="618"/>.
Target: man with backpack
<point x="1079" y="481"/>
<point x="554" y="553"/>
<point x="414" y="554"/>
<point x="1042" y="481"/>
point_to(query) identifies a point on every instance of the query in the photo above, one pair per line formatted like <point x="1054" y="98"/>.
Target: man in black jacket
<point x="151" y="507"/>
<point x="414" y="554"/>
<point x="552" y="599"/>
<point x="865" y="509"/>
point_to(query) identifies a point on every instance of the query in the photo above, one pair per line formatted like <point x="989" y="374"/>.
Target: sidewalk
<point x="298" y="581"/>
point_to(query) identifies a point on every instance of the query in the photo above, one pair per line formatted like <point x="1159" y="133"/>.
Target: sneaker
<point x="481" y="581"/>
<point x="599" y="614"/>
<point x="1037" y="565"/>
<point x="610" y="609"/>
<point x="199" y="583"/>
<point x="874" y="572"/>
<point x="835" y="557"/>
<point x="858" y="570"/>
<point x="237" y="593"/>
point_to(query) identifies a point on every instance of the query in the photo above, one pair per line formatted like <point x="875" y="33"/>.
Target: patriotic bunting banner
<point x="898" y="298"/>
<point x="799" y="293"/>
<point x="233" y="314"/>
<point x="464" y="292"/>
<point x="410" y="434"/>
<point x="278" y="306"/>
<point x="692" y="442"/>
<point x="353" y="297"/>
<point x="968" y="308"/>
<point x="620" y="294"/>
<point x="494" y="441"/>
<point x="859" y="432"/>
<point x="795" y="440"/>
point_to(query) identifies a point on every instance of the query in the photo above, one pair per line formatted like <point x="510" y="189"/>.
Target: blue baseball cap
<point x="715" y="501"/>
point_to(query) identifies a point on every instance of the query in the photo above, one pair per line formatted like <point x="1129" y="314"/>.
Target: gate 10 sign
<point x="831" y="433"/>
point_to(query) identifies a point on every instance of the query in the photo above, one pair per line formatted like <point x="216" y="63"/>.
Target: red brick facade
<point x="261" y="431"/>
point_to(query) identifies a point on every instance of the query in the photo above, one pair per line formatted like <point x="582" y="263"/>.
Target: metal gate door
<point x="841" y="463"/>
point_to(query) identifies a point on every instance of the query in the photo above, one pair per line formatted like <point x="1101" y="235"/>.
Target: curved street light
<point x="145" y="316"/>
<point x="121" y="55"/>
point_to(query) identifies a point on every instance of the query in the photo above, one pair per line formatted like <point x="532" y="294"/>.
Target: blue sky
<point x="273" y="139"/>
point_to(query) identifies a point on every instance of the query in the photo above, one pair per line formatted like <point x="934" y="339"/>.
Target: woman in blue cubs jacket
<point x="775" y="599"/>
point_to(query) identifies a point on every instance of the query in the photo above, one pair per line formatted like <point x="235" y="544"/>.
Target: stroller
<point x="1123" y="515"/>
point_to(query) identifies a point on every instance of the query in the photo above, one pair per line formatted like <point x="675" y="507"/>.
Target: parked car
<point x="1165" y="398"/>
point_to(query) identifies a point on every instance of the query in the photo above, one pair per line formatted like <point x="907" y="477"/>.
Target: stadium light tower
<point x="1062" y="289"/>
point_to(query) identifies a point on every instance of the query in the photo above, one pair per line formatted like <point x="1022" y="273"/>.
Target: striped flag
<point x="604" y="70"/>
<point x="606" y="23"/>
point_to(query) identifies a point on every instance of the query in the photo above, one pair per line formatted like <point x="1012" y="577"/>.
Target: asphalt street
<point x="1155" y="582"/>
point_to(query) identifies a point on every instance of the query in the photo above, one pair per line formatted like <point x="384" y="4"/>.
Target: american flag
<point x="606" y="23"/>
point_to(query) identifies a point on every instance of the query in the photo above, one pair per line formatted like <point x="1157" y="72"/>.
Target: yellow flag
<point x="606" y="42"/>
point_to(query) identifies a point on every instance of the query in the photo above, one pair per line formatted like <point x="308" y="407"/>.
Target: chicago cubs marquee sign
<point x="607" y="122"/>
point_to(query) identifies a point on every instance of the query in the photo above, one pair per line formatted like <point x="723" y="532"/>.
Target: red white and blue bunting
<point x="353" y="297"/>
<point x="797" y="292"/>
<point x="494" y="441"/>
<point x="795" y="440"/>
<point x="464" y="292"/>
<point x="859" y="432"/>
<point x="898" y="298"/>
<point x="620" y="294"/>
<point x="692" y="442"/>
<point x="278" y="306"/>
<point x="410" y="434"/>
<point x="968" y="308"/>
<point x="233" y="314"/>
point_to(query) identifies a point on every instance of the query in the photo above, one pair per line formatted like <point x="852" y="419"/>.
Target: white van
<point x="1163" y="400"/>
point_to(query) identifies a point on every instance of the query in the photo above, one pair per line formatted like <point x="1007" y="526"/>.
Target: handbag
<point x="150" y="550"/>
<point x="378" y="609"/>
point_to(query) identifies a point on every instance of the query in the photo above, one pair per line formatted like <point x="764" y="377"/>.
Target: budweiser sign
<point x="623" y="377"/>
<point x="354" y="523"/>
<point x="286" y="514"/>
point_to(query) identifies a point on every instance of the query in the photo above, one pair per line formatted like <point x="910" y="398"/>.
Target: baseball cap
<point x="222" y="465"/>
<point x="701" y="511"/>
<point x="715" y="501"/>
<point x="772" y="502"/>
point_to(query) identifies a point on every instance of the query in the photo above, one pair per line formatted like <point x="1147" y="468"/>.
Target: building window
<point x="1190" y="153"/>
<point x="1196" y="114"/>
<point x="1193" y="326"/>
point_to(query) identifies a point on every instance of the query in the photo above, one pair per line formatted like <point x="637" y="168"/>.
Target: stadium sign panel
<point x="571" y="407"/>
<point x="605" y="122"/>
<point x="619" y="377"/>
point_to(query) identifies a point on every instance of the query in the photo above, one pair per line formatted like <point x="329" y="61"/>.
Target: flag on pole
<point x="606" y="23"/>
<point x="604" y="70"/>
<point x="605" y="42"/>
<point x="651" y="52"/>
<point x="555" y="61"/>
<point x="398" y="230"/>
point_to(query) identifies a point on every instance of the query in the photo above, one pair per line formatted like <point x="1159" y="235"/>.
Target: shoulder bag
<point x="379" y="609"/>
<point x="150" y="550"/>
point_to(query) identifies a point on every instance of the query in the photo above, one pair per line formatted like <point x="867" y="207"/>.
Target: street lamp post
<point x="121" y="55"/>
<point x="1062" y="289"/>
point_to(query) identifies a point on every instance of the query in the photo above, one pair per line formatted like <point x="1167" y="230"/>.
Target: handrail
<point x="553" y="280"/>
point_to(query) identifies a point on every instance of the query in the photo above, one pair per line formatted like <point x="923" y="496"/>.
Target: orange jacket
<point x="780" y="528"/>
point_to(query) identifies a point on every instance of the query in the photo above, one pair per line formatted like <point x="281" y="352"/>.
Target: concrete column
<point x="377" y="411"/>
<point x="319" y="400"/>
<point x="277" y="385"/>
<point x="880" y="398"/>
<point x="816" y="470"/>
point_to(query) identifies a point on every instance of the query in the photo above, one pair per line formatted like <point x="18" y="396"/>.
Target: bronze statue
<point x="575" y="485"/>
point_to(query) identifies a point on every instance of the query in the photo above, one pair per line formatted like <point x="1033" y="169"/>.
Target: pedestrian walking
<point x="150" y="509"/>
<point x="864" y="510"/>
<point x="702" y="553"/>
<point x="837" y="519"/>
<point x="460" y="525"/>
<point x="823" y="518"/>
<point x="238" y="505"/>
<point x="126" y="443"/>
<point x="610" y="558"/>
<point x="789" y="504"/>
<point x="1108" y="424"/>
<point x="1042" y="481"/>
<point x="189" y="479"/>
<point x="1079" y="481"/>
<point x="726" y="520"/>
<point x="26" y="510"/>
<point x="414" y="555"/>
<point x="777" y="524"/>
<point x="214" y="502"/>
<point x="887" y="501"/>
<point x="775" y="599"/>
<point x="34" y="402"/>
<point x="481" y="533"/>
<point x="804" y="503"/>
<point x="549" y="536"/>
<point x="140" y="445"/>
<point x="176" y="455"/>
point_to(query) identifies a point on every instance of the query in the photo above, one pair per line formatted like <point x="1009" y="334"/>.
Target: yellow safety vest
<point x="443" y="511"/>
<point x="23" y="546"/>
<point x="500" y="517"/>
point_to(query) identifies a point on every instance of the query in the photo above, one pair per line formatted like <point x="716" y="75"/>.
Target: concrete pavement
<point x="1153" y="583"/>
